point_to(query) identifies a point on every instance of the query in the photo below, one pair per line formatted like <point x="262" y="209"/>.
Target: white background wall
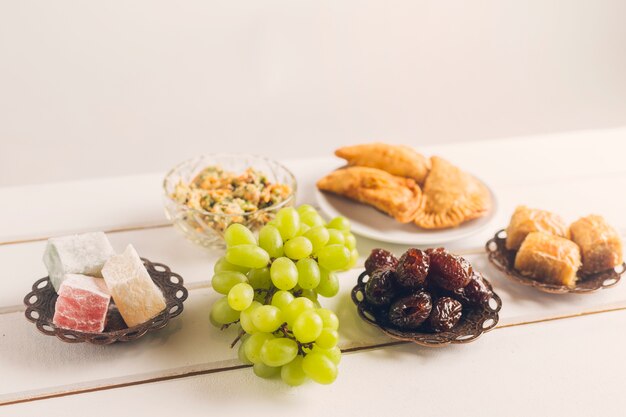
<point x="95" y="88"/>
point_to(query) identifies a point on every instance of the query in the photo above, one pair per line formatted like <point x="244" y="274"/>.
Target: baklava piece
<point x="548" y="258"/>
<point x="600" y="244"/>
<point x="526" y="220"/>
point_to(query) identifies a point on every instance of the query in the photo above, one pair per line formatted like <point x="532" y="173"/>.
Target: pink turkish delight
<point x="82" y="304"/>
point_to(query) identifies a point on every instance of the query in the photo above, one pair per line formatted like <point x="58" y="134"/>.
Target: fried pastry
<point x="548" y="258"/>
<point x="397" y="196"/>
<point x="451" y="197"/>
<point x="526" y="220"/>
<point x="600" y="244"/>
<point x="394" y="159"/>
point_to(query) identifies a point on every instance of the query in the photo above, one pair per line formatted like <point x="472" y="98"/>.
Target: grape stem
<point x="289" y="335"/>
<point x="269" y="293"/>
<point x="227" y="325"/>
<point x="238" y="338"/>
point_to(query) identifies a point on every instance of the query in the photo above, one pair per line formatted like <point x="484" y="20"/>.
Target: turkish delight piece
<point x="82" y="304"/>
<point x="135" y="294"/>
<point x="76" y="254"/>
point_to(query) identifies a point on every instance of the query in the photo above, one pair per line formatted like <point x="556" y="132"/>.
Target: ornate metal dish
<point x="504" y="260"/>
<point x="474" y="322"/>
<point x="41" y="300"/>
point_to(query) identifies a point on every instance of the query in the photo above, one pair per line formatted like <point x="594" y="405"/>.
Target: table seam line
<point x="236" y="367"/>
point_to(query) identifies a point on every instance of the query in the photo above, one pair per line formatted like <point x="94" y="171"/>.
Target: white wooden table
<point x="549" y="355"/>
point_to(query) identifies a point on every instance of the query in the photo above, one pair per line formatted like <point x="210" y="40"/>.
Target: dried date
<point x="448" y="271"/>
<point x="378" y="259"/>
<point x="412" y="269"/>
<point x="446" y="313"/>
<point x="411" y="311"/>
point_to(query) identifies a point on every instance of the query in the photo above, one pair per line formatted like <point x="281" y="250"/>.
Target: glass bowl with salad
<point x="204" y="195"/>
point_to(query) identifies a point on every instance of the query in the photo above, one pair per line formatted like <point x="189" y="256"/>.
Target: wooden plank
<point x="168" y="246"/>
<point x="570" y="367"/>
<point x="550" y="187"/>
<point x="121" y="202"/>
<point x="54" y="366"/>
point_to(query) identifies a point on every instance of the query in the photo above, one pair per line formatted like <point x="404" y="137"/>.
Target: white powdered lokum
<point x="76" y="254"/>
<point x="135" y="294"/>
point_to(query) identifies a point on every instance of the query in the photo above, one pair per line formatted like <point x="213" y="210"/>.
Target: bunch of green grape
<point x="270" y="287"/>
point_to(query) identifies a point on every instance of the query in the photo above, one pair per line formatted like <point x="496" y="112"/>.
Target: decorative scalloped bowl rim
<point x="474" y="324"/>
<point x="41" y="300"/>
<point x="503" y="259"/>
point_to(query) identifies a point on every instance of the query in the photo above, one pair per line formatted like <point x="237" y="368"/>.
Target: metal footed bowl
<point x="504" y="260"/>
<point x="474" y="322"/>
<point x="41" y="300"/>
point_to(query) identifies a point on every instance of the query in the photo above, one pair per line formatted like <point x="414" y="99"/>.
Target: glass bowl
<point x="206" y="228"/>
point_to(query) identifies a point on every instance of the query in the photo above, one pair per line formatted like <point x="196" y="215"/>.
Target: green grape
<point x="267" y="318"/>
<point x="238" y="234"/>
<point x="334" y="354"/>
<point x="250" y="256"/>
<point x="240" y="296"/>
<point x="245" y="318"/>
<point x="319" y="368"/>
<point x="336" y="237"/>
<point x="312" y="219"/>
<point x="284" y="273"/>
<point x="241" y="353"/>
<point x="288" y="222"/>
<point x="311" y="295"/>
<point x="330" y="319"/>
<point x="223" y="281"/>
<point x="354" y="259"/>
<point x="222" y="313"/>
<point x="271" y="241"/>
<point x="223" y="265"/>
<point x="308" y="273"/>
<point x="295" y="308"/>
<point x="350" y="240"/>
<point x="213" y="322"/>
<point x="331" y="257"/>
<point x="253" y="344"/>
<point x="306" y="208"/>
<point x="279" y="351"/>
<point x="281" y="299"/>
<point x="260" y="278"/>
<point x="303" y="229"/>
<point x="329" y="284"/>
<point x="299" y="247"/>
<point x="292" y="373"/>
<point x="307" y="327"/>
<point x="339" y="223"/>
<point x="263" y="371"/>
<point x="318" y="236"/>
<point x="327" y="339"/>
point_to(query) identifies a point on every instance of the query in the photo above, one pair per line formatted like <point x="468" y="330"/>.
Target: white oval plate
<point x="369" y="222"/>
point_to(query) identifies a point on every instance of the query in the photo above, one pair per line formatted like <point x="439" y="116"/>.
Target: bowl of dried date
<point x="431" y="298"/>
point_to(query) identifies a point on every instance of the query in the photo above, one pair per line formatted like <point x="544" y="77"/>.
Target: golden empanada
<point x="600" y="244"/>
<point x="394" y="159"/>
<point x="526" y="220"/>
<point x="548" y="258"/>
<point x="397" y="196"/>
<point x="451" y="197"/>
